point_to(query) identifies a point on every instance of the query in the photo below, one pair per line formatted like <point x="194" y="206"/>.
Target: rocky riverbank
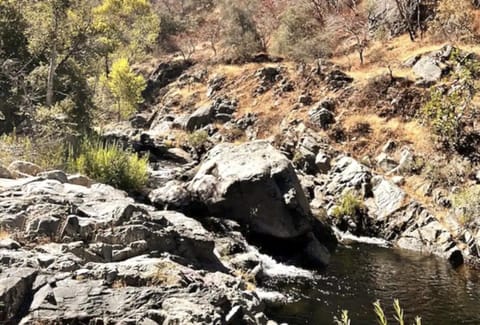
<point x="75" y="251"/>
<point x="190" y="248"/>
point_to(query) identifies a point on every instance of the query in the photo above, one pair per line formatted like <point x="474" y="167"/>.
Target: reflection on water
<point x="358" y="275"/>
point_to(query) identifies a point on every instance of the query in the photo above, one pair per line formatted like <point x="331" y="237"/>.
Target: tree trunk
<point x="51" y="74"/>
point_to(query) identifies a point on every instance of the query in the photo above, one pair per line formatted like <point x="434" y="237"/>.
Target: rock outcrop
<point x="90" y="254"/>
<point x="256" y="185"/>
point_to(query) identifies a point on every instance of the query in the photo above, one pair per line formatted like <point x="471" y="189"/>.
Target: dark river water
<point x="360" y="274"/>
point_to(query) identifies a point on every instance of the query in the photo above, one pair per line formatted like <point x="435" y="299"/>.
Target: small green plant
<point x="197" y="138"/>
<point x="344" y="319"/>
<point x="381" y="318"/>
<point x="468" y="202"/>
<point x="111" y="164"/>
<point x="126" y="88"/>
<point x="349" y="204"/>
<point x="398" y="311"/>
<point x="380" y="314"/>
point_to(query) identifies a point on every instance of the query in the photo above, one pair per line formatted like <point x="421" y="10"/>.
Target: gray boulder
<point x="256" y="185"/>
<point x="428" y="70"/>
<point x="200" y="118"/>
<point x="15" y="284"/>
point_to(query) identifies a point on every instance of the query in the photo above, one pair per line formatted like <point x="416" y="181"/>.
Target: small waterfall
<point x="274" y="269"/>
<point x="346" y="237"/>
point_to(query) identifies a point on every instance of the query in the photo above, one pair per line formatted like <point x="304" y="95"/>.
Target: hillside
<point x="179" y="162"/>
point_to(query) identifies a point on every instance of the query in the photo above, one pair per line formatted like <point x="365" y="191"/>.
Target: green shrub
<point x="197" y="138"/>
<point x="239" y="33"/>
<point x="301" y="36"/>
<point x="349" y="204"/>
<point x="468" y="202"/>
<point x="111" y="164"/>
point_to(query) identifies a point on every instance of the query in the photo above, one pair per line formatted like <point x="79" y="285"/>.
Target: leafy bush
<point x="468" y="202"/>
<point x="349" y="204"/>
<point x="239" y="33"/>
<point x="447" y="173"/>
<point x="301" y="36"/>
<point x="109" y="163"/>
<point x="197" y="138"/>
<point x="126" y="88"/>
<point x="47" y="152"/>
<point x="449" y="113"/>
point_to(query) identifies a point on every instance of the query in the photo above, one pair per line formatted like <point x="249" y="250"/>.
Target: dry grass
<point x="4" y="234"/>
<point x="382" y="130"/>
<point x="166" y="273"/>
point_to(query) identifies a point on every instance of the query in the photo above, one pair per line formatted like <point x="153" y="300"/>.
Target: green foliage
<point x="344" y="319"/>
<point x="441" y="112"/>
<point x="301" y="36"/>
<point x="349" y="204"/>
<point x="126" y="88"/>
<point x="399" y="312"/>
<point x="49" y="153"/>
<point x="128" y="26"/>
<point x="467" y="202"/>
<point x="239" y="34"/>
<point x="449" y="113"/>
<point x="197" y="138"/>
<point x="110" y="164"/>
<point x="381" y="318"/>
<point x="13" y="41"/>
<point x="380" y="314"/>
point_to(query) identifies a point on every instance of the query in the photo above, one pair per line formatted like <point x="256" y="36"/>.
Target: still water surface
<point x="360" y="274"/>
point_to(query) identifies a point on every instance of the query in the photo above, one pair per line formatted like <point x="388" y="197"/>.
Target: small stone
<point x="322" y="161"/>
<point x="78" y="179"/>
<point x="57" y="175"/>
<point x="305" y="99"/>
<point x="398" y="180"/>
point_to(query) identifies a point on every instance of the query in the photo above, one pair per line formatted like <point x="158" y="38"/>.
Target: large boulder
<point x="200" y="118"/>
<point x="428" y="70"/>
<point x="256" y="185"/>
